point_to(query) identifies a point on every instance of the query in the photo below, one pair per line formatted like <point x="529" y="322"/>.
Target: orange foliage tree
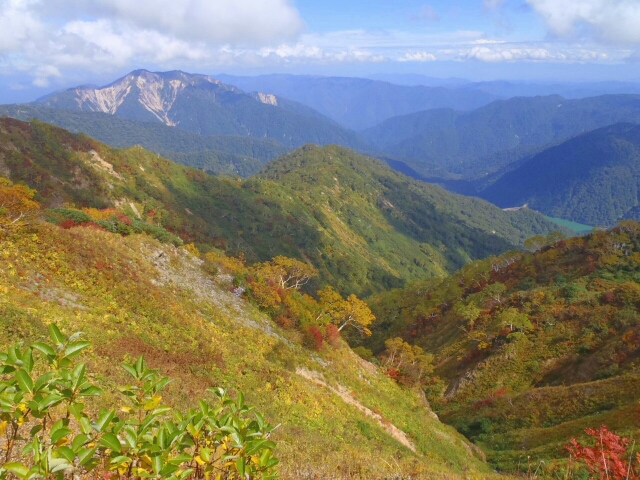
<point x="17" y="206"/>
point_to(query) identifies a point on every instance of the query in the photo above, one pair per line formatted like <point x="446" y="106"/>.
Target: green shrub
<point x="56" y="215"/>
<point x="50" y="434"/>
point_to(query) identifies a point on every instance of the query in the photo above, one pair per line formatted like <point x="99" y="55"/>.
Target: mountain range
<point x="592" y="178"/>
<point x="230" y="131"/>
<point x="203" y="105"/>
<point x="364" y="226"/>
<point x="220" y="154"/>
<point x="474" y="144"/>
<point x="360" y="103"/>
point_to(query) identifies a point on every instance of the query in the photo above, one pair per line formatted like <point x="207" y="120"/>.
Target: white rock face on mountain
<point x="105" y="100"/>
<point x="157" y="93"/>
<point x="266" y="98"/>
<point x="201" y="105"/>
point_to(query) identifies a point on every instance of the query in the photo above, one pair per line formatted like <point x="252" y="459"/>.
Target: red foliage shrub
<point x="123" y="218"/>
<point x="605" y="459"/>
<point x="92" y="225"/>
<point x="313" y="337"/>
<point x="332" y="334"/>
<point x="67" y="224"/>
<point x="500" y="392"/>
<point x="393" y="373"/>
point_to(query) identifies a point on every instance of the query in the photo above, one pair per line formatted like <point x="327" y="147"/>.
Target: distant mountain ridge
<point x="360" y="103"/>
<point x="474" y="144"/>
<point x="593" y="178"/>
<point x="155" y="93"/>
<point x="204" y="105"/>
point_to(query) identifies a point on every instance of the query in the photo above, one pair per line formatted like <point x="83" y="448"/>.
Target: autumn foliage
<point x="606" y="459"/>
<point x="276" y="287"/>
<point x="17" y="206"/>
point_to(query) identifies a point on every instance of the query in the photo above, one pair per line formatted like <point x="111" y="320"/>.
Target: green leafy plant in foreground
<point x="46" y="431"/>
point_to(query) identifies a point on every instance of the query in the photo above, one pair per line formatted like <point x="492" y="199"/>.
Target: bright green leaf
<point x="109" y="440"/>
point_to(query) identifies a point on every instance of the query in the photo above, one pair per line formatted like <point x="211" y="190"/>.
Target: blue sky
<point x="51" y="44"/>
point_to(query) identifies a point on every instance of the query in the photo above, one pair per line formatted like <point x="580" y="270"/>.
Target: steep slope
<point x="201" y="104"/>
<point x="134" y="296"/>
<point x="218" y="154"/>
<point x="362" y="225"/>
<point x="592" y="178"/>
<point x="360" y="103"/>
<point x="531" y="347"/>
<point x="480" y="142"/>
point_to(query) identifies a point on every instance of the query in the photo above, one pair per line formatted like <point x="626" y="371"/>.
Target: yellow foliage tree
<point x="350" y="312"/>
<point x="411" y="360"/>
<point x="17" y="206"/>
<point x="288" y="273"/>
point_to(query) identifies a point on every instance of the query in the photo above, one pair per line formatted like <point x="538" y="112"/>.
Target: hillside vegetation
<point x="131" y="295"/>
<point x="217" y="154"/>
<point x="530" y="348"/>
<point x="363" y="226"/>
<point x="591" y="179"/>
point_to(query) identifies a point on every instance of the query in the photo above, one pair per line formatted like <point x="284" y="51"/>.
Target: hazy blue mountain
<point x="593" y="178"/>
<point x="203" y="105"/>
<point x="477" y="143"/>
<point x="413" y="79"/>
<point x="359" y="103"/>
<point x="506" y="89"/>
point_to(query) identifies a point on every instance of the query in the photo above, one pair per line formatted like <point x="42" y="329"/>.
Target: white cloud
<point x="417" y="57"/>
<point x="19" y="25"/>
<point x="306" y="53"/>
<point x="50" y="40"/>
<point x="211" y="21"/>
<point x="532" y="54"/>
<point x="611" y="21"/>
<point x="43" y="37"/>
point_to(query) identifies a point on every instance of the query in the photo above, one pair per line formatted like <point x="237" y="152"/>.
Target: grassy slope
<point x="526" y="392"/>
<point x="135" y="296"/>
<point x="380" y="230"/>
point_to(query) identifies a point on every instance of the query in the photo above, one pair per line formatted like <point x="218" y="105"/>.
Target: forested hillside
<point x="218" y="154"/>
<point x="362" y="225"/>
<point x="480" y="142"/>
<point x="592" y="178"/>
<point x="332" y="415"/>
<point x="530" y="348"/>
